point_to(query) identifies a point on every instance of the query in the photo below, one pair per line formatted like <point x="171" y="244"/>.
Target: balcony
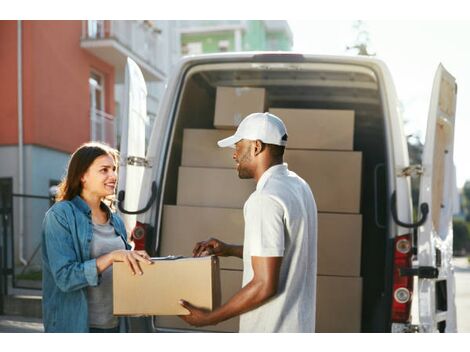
<point x="114" y="41"/>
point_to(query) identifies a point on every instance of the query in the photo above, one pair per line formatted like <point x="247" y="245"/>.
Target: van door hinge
<point x="137" y="161"/>
<point x="423" y="272"/>
<point x="412" y="170"/>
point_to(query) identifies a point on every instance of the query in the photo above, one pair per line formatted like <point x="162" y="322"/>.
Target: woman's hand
<point x="132" y="258"/>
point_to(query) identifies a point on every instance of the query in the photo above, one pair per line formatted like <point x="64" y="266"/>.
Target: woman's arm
<point x="63" y="256"/>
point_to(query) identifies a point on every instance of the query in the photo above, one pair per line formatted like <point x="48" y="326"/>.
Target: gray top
<point x="100" y="298"/>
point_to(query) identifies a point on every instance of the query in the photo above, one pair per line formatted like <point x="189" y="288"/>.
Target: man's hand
<point x="197" y="316"/>
<point x="212" y="246"/>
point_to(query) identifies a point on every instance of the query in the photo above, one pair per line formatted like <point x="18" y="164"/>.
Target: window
<point x="96" y="29"/>
<point x="102" y="124"/>
<point x="192" y="48"/>
<point x="224" y="45"/>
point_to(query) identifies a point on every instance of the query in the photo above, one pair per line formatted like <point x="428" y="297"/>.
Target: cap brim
<point x="229" y="141"/>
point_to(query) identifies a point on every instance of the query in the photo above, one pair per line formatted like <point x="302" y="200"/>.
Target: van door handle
<point x="122" y="195"/>
<point x="424" y="207"/>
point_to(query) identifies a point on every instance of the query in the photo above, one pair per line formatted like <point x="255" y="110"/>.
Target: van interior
<point x="322" y="85"/>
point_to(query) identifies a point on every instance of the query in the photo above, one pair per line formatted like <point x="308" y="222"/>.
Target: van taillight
<point x="402" y="285"/>
<point x="138" y="235"/>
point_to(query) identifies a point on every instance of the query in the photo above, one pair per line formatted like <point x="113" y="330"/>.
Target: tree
<point x="362" y="42"/>
<point x="461" y="237"/>
<point x="466" y="200"/>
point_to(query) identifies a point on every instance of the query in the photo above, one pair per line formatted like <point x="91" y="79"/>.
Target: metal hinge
<point x="412" y="329"/>
<point x="412" y="170"/>
<point x="423" y="272"/>
<point x="137" y="161"/>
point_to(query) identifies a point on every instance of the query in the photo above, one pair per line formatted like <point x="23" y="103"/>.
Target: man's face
<point x="244" y="157"/>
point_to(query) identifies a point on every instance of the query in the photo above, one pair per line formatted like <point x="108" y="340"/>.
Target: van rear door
<point x="436" y="289"/>
<point x="132" y="148"/>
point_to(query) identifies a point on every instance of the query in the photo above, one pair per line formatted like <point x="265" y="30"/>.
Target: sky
<point x="412" y="51"/>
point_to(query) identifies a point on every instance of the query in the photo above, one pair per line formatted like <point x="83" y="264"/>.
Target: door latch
<point x="422" y="272"/>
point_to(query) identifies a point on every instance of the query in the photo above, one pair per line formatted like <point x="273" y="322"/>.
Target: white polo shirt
<point x="281" y="221"/>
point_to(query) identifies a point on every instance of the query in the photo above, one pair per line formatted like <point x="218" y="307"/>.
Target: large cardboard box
<point x="339" y="244"/>
<point x="231" y="283"/>
<point x="163" y="284"/>
<point x="200" y="149"/>
<point x="339" y="236"/>
<point x="183" y="227"/>
<point x="233" y="104"/>
<point x="333" y="176"/>
<point x="339" y="304"/>
<point x="318" y="129"/>
<point x="210" y="187"/>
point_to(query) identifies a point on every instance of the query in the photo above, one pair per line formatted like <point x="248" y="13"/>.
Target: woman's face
<point x="100" y="178"/>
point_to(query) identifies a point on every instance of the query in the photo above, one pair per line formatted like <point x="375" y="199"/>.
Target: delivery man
<point x="280" y="244"/>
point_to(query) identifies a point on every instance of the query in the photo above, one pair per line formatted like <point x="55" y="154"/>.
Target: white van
<point x="403" y="261"/>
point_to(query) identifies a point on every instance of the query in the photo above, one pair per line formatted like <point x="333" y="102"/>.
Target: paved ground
<point x="462" y="288"/>
<point x="20" y="324"/>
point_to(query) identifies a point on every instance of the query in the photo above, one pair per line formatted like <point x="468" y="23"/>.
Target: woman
<point x="81" y="239"/>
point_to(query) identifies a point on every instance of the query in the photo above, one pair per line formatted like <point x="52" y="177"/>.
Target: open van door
<point x="436" y="288"/>
<point x="132" y="147"/>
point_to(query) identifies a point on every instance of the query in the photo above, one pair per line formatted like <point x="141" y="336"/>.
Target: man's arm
<point x="258" y="291"/>
<point x="213" y="246"/>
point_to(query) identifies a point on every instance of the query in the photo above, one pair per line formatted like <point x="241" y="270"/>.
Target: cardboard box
<point x="183" y="227"/>
<point x="210" y="187"/>
<point x="339" y="304"/>
<point x="234" y="104"/>
<point x="339" y="244"/>
<point x="163" y="284"/>
<point x="333" y="176"/>
<point x="318" y="129"/>
<point x="231" y="283"/>
<point x="200" y="149"/>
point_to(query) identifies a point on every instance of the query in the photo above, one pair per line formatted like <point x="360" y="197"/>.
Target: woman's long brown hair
<point x="79" y="163"/>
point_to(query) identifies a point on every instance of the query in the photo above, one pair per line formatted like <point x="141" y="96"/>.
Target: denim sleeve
<point x="63" y="253"/>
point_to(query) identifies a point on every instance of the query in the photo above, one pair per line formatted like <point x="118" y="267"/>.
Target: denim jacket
<point x="67" y="267"/>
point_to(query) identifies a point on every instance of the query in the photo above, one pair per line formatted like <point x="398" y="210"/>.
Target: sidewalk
<point x="11" y="324"/>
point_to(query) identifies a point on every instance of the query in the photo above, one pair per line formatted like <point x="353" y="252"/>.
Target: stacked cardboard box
<point x="210" y="197"/>
<point x="320" y="150"/>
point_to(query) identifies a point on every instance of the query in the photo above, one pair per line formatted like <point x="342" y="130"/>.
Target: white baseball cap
<point x="262" y="126"/>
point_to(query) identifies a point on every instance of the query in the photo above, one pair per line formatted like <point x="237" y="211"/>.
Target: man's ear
<point x="259" y="147"/>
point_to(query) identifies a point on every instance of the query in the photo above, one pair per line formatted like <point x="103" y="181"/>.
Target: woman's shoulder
<point x="61" y="208"/>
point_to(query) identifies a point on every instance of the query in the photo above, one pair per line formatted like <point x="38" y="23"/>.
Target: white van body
<point x="364" y="85"/>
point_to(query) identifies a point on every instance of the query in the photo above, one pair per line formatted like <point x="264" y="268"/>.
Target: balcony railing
<point x="103" y="127"/>
<point x="139" y="38"/>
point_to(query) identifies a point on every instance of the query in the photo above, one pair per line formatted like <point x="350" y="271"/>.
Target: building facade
<point x="198" y="37"/>
<point x="61" y="86"/>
